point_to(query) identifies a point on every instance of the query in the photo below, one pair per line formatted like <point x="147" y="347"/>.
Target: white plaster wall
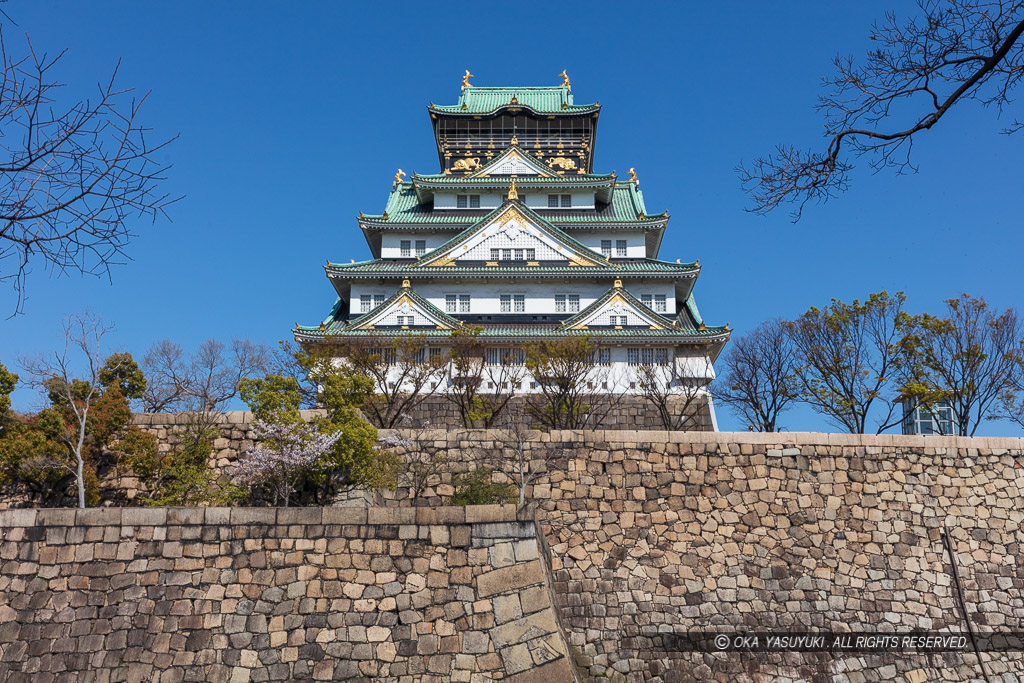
<point x="391" y="243"/>
<point x="636" y="243"/>
<point x="534" y="200"/>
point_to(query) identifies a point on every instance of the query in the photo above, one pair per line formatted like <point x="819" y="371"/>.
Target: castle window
<point x="518" y="254"/>
<point x="661" y="356"/>
<point x="365" y="303"/>
<point x="606" y="247"/>
<point x="510" y="302"/>
<point x="435" y="354"/>
<point x="620" y="247"/>
<point x="604" y="357"/>
<point x="463" y="303"/>
<point x="566" y="201"/>
<point x="567" y="303"/>
<point x="467" y="201"/>
<point x="406" y="248"/>
<point x="378" y="300"/>
<point x="506" y="254"/>
<point x="451" y="302"/>
<point x="659" y="303"/>
<point x="552" y="201"/>
<point x="647" y="300"/>
<point x="421" y="247"/>
<point x="633" y="356"/>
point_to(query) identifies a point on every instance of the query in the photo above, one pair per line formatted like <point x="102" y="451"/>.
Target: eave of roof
<point x="477" y="100"/>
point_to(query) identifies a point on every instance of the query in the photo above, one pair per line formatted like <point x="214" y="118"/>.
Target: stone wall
<point x="658" y="534"/>
<point x="257" y="594"/>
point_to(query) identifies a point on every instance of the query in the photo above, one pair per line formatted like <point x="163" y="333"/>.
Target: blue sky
<point x="294" y="116"/>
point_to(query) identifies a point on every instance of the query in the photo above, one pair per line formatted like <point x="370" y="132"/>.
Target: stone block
<point x="183" y="515"/>
<point x="510" y="578"/>
<point x="490" y="513"/>
<point x="390" y="516"/>
<point x="218" y="516"/>
<point x="16" y="518"/>
<point x="253" y="515"/>
<point x="344" y="515"/>
<point x="299" y="515"/>
<point x="441" y="515"/>
<point x="144" y="516"/>
<point x="98" y="517"/>
<point x="509" y="530"/>
<point x="56" y="517"/>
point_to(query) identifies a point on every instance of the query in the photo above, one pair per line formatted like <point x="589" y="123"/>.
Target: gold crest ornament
<point x="398" y="176"/>
<point x="465" y="80"/>
<point x="466" y="164"/>
<point x="632" y="177"/>
<point x="565" y="79"/>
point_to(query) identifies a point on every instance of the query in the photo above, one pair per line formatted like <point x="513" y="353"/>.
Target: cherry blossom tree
<point x="287" y="452"/>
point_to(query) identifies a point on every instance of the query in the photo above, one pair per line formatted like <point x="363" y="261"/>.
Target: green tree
<point x="561" y="368"/>
<point x="855" y="357"/>
<point x="8" y="380"/>
<point x="354" y="459"/>
<point x="974" y="354"/>
<point x="120" y="369"/>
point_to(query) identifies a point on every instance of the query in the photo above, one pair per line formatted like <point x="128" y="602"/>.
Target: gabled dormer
<point x="405" y="310"/>
<point x="617" y="309"/>
<point x="513" y="232"/>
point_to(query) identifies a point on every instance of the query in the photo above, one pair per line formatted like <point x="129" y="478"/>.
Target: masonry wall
<point x="257" y="594"/>
<point x="658" y="534"/>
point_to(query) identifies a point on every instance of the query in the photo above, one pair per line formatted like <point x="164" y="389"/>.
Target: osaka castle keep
<point x="518" y="236"/>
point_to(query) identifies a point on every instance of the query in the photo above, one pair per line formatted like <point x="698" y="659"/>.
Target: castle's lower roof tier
<point x="383" y="268"/>
<point x="521" y="333"/>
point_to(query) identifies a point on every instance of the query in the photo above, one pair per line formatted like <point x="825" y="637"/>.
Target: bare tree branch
<point x="72" y="180"/>
<point x="958" y="50"/>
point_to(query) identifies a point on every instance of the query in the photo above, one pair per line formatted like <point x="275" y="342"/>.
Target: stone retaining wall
<point x="659" y="534"/>
<point x="257" y="594"/>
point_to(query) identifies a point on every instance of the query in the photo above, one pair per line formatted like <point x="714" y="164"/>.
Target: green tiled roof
<point x="337" y="329"/>
<point x="403" y="208"/>
<point x="521" y="181"/>
<point x="600" y="301"/>
<point x="383" y="267"/>
<point x="420" y="301"/>
<point x="543" y="100"/>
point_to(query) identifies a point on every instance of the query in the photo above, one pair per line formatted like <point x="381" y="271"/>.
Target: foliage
<point x="959" y="50"/>
<point x="8" y="380"/>
<point x="419" y="463"/>
<point x="353" y="459"/>
<point x="476" y="488"/>
<point x="561" y="367"/>
<point x="181" y="477"/>
<point x="121" y="370"/>
<point x="975" y="355"/>
<point x="288" y="453"/>
<point x="470" y="372"/>
<point x="760" y="376"/>
<point x="854" y="356"/>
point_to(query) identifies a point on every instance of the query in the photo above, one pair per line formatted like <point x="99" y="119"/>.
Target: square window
<point x="406" y="248"/>
<point x="659" y="303"/>
<point x="574" y="303"/>
<point x="519" y="254"/>
<point x="531" y="254"/>
<point x="474" y="201"/>
<point x="520" y="303"/>
<point x="559" y="303"/>
<point x="620" y="247"/>
<point x="495" y="254"/>
<point x="552" y="201"/>
<point x="421" y="247"/>
<point x="647" y="300"/>
<point x="435" y="354"/>
<point x="461" y="201"/>
<point x="378" y="300"/>
<point x="633" y="356"/>
<point x="365" y="303"/>
<point x="606" y="247"/>
<point x="566" y="200"/>
<point x="506" y="303"/>
<point x="506" y="254"/>
<point x="450" y="303"/>
<point x="464" y="303"/>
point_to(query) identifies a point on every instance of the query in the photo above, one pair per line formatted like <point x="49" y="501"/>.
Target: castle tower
<point x="517" y="235"/>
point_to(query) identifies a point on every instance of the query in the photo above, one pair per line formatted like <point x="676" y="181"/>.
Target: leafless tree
<point x="421" y="463"/>
<point x="512" y="454"/>
<point x="73" y="177"/>
<point x="483" y="380"/>
<point x="71" y="376"/>
<point x="200" y="384"/>
<point x="405" y="370"/>
<point x="676" y="388"/>
<point x="759" y="380"/>
<point x="976" y="355"/>
<point x="920" y="67"/>
<point x="561" y="367"/>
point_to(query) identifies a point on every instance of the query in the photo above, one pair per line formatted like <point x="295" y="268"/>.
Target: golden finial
<point x="323" y="328"/>
<point x="632" y="177"/>
<point x="385" y="215"/>
<point x="565" y="79"/>
<point x="398" y="177"/>
<point x="702" y="327"/>
<point x="515" y="139"/>
<point x="405" y="284"/>
<point x="351" y="260"/>
<point x="618" y="284"/>
<point x="465" y="80"/>
<point x="697" y="262"/>
<point x="512" y="192"/>
<point x="677" y="261"/>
